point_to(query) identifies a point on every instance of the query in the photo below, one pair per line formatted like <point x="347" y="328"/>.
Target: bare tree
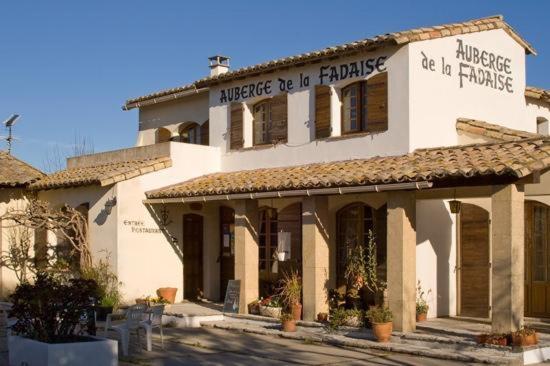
<point x="55" y="159"/>
<point x="67" y="223"/>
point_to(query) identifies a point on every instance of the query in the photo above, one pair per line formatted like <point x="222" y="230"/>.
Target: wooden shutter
<point x="377" y="103"/>
<point x="236" y="127"/>
<point x="279" y="118"/>
<point x="322" y="111"/>
<point x="205" y="133"/>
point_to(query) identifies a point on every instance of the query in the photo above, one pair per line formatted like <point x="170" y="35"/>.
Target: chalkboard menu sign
<point x="232" y="295"/>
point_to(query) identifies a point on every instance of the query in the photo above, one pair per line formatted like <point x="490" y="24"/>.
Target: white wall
<point x="536" y="109"/>
<point x="437" y="100"/>
<point x="171" y="115"/>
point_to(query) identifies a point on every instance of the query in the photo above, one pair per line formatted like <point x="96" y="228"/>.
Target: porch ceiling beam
<point x="297" y="193"/>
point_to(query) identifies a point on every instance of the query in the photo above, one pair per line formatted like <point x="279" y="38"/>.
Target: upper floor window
<point x="365" y="105"/>
<point x="270" y="120"/>
<point x="162" y="135"/>
<point x="189" y="133"/>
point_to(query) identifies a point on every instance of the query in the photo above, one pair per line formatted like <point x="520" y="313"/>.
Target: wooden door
<point x="227" y="248"/>
<point x="474" y="261"/>
<point x="192" y="256"/>
<point x="537" y="261"/>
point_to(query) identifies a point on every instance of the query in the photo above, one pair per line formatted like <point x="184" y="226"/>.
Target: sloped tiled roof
<point x="493" y="131"/>
<point x="514" y="159"/>
<point x="16" y="173"/>
<point x="537" y="93"/>
<point x="102" y="175"/>
<point x="396" y="38"/>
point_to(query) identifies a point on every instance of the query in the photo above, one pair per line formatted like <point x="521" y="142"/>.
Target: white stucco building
<point x="308" y="153"/>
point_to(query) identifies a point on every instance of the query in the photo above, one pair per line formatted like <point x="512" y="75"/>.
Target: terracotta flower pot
<point x="289" y="325"/>
<point x="168" y="293"/>
<point x="382" y="331"/>
<point x="297" y="311"/>
<point x="421" y="317"/>
<point x="254" y="308"/>
<point x="524" y="340"/>
<point x="322" y="317"/>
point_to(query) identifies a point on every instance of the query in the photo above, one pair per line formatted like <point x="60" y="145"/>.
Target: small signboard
<point x="232" y="296"/>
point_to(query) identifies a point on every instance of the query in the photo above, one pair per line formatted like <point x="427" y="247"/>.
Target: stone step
<point x="426" y="347"/>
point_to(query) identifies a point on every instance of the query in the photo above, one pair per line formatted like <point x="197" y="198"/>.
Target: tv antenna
<point x="9" y="123"/>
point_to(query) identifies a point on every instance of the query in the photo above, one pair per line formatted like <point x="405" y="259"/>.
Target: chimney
<point x="218" y="65"/>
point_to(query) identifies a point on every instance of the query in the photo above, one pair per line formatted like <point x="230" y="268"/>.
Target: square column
<point x="507" y="275"/>
<point x="246" y="251"/>
<point x="315" y="256"/>
<point x="401" y="259"/>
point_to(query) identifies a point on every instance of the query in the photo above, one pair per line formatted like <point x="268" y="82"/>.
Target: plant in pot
<point x="421" y="303"/>
<point x="288" y="322"/>
<point x="108" y="286"/>
<point x="496" y="339"/>
<point x="525" y="337"/>
<point x="254" y="307"/>
<point x="346" y="317"/>
<point x="355" y="272"/>
<point x="381" y="319"/>
<point x="290" y="292"/>
<point x="168" y="293"/>
<point x="271" y="306"/>
<point x="51" y="314"/>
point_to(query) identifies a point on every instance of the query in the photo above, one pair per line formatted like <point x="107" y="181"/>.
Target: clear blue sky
<point x="68" y="66"/>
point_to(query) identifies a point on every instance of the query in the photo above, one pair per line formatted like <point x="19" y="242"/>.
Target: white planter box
<point x="28" y="352"/>
<point x="271" y="311"/>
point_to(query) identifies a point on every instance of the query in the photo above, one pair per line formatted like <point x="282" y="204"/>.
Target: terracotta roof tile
<point x="513" y="159"/>
<point x="493" y="131"/>
<point x="102" y="175"/>
<point x="537" y="93"/>
<point x="16" y="173"/>
<point x="396" y="38"/>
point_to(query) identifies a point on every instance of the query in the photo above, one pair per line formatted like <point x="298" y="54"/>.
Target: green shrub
<point x="379" y="314"/>
<point x="107" y="282"/>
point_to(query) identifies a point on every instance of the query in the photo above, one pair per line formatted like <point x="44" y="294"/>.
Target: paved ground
<point x="200" y="346"/>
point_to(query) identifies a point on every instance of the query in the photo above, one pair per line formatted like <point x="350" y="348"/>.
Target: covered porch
<point x="311" y="212"/>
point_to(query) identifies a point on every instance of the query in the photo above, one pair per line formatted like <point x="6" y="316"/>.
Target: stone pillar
<point x="507" y="275"/>
<point x="315" y="256"/>
<point x="401" y="259"/>
<point x="246" y="251"/>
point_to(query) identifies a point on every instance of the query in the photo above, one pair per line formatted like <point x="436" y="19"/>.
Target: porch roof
<point x="16" y="173"/>
<point x="510" y="160"/>
<point x="101" y="174"/>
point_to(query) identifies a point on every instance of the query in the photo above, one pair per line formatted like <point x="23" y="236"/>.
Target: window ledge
<point x="258" y="147"/>
<point x="350" y="135"/>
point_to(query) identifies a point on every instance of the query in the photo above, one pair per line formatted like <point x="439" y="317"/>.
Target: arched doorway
<point x="162" y="135"/>
<point x="474" y="260"/>
<point x="192" y="256"/>
<point x="279" y="230"/>
<point x="537" y="260"/>
<point x="354" y="222"/>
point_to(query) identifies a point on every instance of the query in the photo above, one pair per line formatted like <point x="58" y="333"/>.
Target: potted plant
<point x="254" y="307"/>
<point x="271" y="307"/>
<point x="107" y="286"/>
<point x="290" y="293"/>
<point x="525" y="337"/>
<point x="381" y="319"/>
<point x="322" y="317"/>
<point x="168" y="293"/>
<point x="355" y="273"/>
<point x="288" y="322"/>
<point x="49" y="315"/>
<point x="422" y="306"/>
<point x="346" y="317"/>
<point x="496" y="339"/>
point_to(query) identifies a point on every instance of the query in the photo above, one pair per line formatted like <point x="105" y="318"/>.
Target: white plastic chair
<point x="154" y="321"/>
<point x="134" y="318"/>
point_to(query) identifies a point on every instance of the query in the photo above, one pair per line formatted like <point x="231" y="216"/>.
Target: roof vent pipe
<point x="218" y="65"/>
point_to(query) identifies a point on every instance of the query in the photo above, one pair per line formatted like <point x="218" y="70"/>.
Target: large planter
<point x="382" y="331"/>
<point x="271" y="311"/>
<point x="353" y="321"/>
<point x="168" y="293"/>
<point x="297" y="311"/>
<point x="94" y="351"/>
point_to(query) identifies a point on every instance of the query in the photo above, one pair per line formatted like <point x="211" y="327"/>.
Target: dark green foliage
<point x="51" y="309"/>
